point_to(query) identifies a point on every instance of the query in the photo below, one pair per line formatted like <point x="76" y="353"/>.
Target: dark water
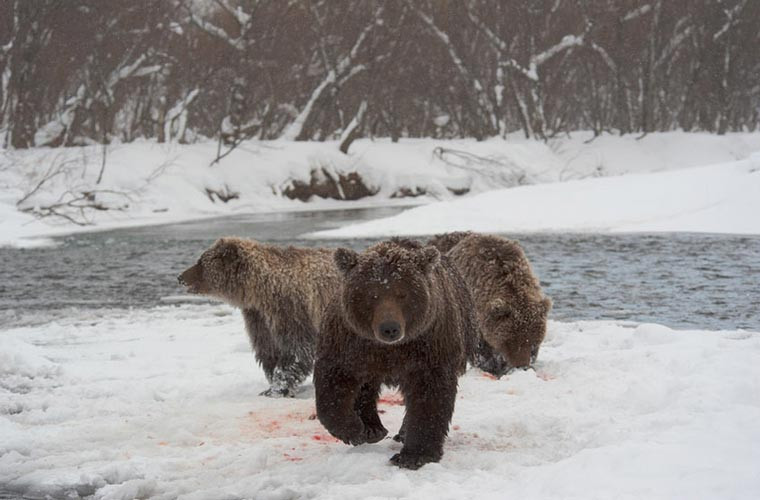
<point x="680" y="280"/>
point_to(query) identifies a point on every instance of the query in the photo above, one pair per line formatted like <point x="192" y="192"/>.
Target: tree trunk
<point x="353" y="129"/>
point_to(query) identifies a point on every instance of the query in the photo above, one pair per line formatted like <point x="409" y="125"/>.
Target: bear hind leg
<point x="288" y="375"/>
<point x="429" y="399"/>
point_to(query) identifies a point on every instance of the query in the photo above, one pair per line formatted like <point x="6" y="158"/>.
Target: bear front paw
<point x="375" y="433"/>
<point x="353" y="434"/>
<point x="279" y="392"/>
<point x="413" y="461"/>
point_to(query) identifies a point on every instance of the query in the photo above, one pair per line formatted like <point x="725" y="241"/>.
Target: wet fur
<point x="282" y="293"/>
<point x="351" y="364"/>
<point x="511" y="309"/>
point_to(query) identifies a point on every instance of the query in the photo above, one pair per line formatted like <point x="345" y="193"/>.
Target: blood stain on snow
<point x="280" y="422"/>
<point x="291" y="458"/>
<point x="545" y="376"/>
<point x="271" y="426"/>
<point x="391" y="399"/>
<point x="455" y="427"/>
<point x="489" y="376"/>
<point x="325" y="438"/>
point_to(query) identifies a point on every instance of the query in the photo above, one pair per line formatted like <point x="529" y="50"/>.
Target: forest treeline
<point x="99" y="71"/>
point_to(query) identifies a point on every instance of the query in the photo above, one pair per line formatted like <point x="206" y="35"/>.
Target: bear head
<point x="387" y="289"/>
<point x="218" y="272"/>
<point x="516" y="329"/>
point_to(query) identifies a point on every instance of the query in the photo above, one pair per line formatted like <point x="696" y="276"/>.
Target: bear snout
<point x="390" y="332"/>
<point x="191" y="278"/>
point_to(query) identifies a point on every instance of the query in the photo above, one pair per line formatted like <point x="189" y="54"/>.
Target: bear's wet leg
<point x="429" y="399"/>
<point x="268" y="364"/>
<point x="336" y="393"/>
<point x="288" y="374"/>
<point x="366" y="408"/>
<point x="263" y="344"/>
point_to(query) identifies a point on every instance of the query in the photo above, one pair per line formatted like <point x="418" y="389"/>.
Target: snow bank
<point x="163" y="404"/>
<point x="148" y="183"/>
<point x="723" y="198"/>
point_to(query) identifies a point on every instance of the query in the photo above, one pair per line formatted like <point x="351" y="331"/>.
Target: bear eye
<point x="500" y="312"/>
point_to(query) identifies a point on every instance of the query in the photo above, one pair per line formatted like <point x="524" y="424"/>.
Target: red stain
<point x="280" y="422"/>
<point x="324" y="437"/>
<point x="488" y="375"/>
<point x="455" y="427"/>
<point x="394" y="399"/>
<point x="271" y="426"/>
<point x="162" y="443"/>
<point x="545" y="376"/>
<point x="291" y="458"/>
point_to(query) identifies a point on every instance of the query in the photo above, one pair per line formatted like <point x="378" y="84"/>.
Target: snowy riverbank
<point x="722" y="198"/>
<point x="162" y="403"/>
<point x="149" y="183"/>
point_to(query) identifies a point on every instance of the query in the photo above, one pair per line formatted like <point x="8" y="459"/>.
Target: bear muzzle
<point x="191" y="279"/>
<point x="389" y="332"/>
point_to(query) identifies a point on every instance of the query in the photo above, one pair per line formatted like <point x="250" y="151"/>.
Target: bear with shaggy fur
<point x="511" y="308"/>
<point x="282" y="292"/>
<point x="403" y="317"/>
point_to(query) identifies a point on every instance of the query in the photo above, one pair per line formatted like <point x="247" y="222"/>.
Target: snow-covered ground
<point x="721" y="198"/>
<point x="162" y="403"/>
<point x="148" y="183"/>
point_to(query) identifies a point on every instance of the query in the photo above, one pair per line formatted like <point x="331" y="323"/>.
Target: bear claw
<point x="286" y="392"/>
<point x="411" y="461"/>
<point x="374" y="434"/>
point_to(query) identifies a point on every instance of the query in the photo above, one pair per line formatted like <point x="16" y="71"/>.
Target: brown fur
<point x="511" y="308"/>
<point x="282" y="293"/>
<point x="403" y="284"/>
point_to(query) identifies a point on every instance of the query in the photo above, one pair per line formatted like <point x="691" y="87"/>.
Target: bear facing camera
<point x="403" y="318"/>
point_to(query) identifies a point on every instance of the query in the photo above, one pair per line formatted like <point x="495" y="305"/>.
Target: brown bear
<point x="511" y="308"/>
<point x="403" y="317"/>
<point x="282" y="292"/>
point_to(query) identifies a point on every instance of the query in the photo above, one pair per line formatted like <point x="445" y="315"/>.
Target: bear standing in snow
<point x="404" y="317"/>
<point x="282" y="293"/>
<point x="511" y="308"/>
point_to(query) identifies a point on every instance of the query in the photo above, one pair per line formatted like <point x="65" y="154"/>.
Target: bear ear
<point x="227" y="248"/>
<point x="430" y="258"/>
<point x="345" y="259"/>
<point x="546" y="305"/>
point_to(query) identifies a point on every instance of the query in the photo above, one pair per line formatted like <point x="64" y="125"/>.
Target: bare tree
<point x="184" y="70"/>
